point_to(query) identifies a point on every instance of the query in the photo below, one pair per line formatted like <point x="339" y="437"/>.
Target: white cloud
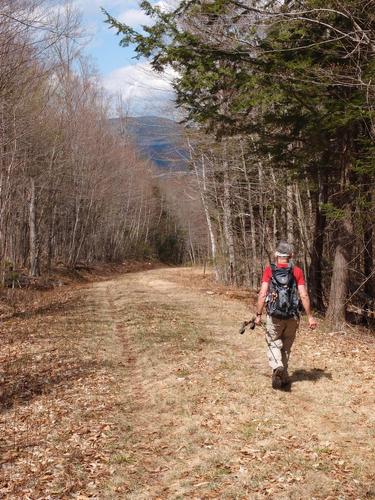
<point x="167" y="5"/>
<point x="134" y="17"/>
<point x="143" y="90"/>
<point x="88" y="6"/>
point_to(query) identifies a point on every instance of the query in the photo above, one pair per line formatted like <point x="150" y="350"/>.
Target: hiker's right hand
<point x="312" y="323"/>
<point x="258" y="320"/>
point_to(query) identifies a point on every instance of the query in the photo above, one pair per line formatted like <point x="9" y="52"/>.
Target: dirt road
<point x="189" y="404"/>
<point x="199" y="418"/>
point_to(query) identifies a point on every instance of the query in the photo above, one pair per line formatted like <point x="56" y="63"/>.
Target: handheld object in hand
<point x="245" y="324"/>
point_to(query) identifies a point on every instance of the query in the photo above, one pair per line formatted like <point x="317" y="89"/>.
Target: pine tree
<point x="297" y="80"/>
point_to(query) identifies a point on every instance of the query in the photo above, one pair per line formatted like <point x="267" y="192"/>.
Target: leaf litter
<point x="110" y="396"/>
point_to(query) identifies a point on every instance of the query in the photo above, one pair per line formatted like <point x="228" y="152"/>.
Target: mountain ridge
<point x="157" y="138"/>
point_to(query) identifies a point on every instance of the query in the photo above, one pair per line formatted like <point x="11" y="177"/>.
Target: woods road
<point x="196" y="415"/>
<point x="141" y="387"/>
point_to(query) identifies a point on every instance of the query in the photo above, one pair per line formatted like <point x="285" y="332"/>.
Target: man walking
<point x="282" y="286"/>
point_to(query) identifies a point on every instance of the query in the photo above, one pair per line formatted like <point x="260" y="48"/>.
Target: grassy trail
<point x="182" y="406"/>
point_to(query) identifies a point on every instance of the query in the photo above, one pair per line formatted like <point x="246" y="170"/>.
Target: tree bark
<point x="33" y="233"/>
<point x="275" y="219"/>
<point x="228" y="224"/>
<point x="289" y="213"/>
<point x="253" y="265"/>
<point x="340" y="274"/>
<point x="368" y="258"/>
<point x="315" y="271"/>
<point x="202" y="186"/>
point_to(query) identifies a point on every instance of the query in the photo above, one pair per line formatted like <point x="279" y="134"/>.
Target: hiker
<point x="283" y="284"/>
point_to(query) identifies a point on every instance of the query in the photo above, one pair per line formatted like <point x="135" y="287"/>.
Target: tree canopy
<point x="295" y="79"/>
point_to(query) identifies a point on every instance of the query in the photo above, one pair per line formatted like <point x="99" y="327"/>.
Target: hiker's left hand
<point x="258" y="320"/>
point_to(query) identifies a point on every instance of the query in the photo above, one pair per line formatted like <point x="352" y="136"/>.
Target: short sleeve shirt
<point x="297" y="273"/>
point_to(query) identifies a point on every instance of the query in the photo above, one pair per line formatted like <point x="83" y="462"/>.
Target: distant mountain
<point x="159" y="139"/>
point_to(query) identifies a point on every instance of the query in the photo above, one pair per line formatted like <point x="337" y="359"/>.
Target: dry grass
<point x="151" y="393"/>
<point x="205" y="422"/>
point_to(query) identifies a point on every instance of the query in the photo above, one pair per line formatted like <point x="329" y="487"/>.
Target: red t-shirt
<point x="297" y="273"/>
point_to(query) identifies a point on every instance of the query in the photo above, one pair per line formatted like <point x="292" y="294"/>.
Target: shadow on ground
<point x="22" y="386"/>
<point x="45" y="309"/>
<point x="312" y="375"/>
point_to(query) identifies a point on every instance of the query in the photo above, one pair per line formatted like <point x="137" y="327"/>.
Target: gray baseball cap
<point x="284" y="249"/>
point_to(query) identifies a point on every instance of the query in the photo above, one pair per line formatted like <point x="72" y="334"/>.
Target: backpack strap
<point x="291" y="269"/>
<point x="288" y="270"/>
<point x="273" y="271"/>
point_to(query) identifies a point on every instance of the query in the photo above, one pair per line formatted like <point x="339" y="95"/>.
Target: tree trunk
<point x="289" y="213"/>
<point x="253" y="265"/>
<point x="246" y="268"/>
<point x="203" y="191"/>
<point x="302" y="226"/>
<point x="275" y="219"/>
<point x="202" y="186"/>
<point x="315" y="272"/>
<point x="340" y="274"/>
<point x="368" y="258"/>
<point x="51" y="235"/>
<point x="33" y="232"/>
<point x="228" y="224"/>
<point x="261" y="213"/>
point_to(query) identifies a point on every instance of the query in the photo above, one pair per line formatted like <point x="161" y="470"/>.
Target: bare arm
<point x="306" y="305"/>
<point x="261" y="300"/>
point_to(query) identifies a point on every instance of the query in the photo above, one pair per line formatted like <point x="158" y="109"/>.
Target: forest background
<point x="279" y="106"/>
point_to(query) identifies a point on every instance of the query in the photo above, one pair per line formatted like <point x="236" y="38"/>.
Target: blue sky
<point x="143" y="91"/>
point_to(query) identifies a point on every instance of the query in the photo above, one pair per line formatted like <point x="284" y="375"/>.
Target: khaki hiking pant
<point x="280" y="335"/>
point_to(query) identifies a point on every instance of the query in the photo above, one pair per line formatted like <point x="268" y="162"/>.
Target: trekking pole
<point x="252" y="325"/>
<point x="246" y="324"/>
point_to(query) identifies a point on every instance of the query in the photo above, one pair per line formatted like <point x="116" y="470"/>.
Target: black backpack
<point x="282" y="298"/>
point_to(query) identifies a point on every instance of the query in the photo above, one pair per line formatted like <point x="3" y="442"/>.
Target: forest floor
<point x="140" y="387"/>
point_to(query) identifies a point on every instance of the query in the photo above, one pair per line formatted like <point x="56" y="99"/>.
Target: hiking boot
<point x="286" y="378"/>
<point x="287" y="383"/>
<point x="278" y="377"/>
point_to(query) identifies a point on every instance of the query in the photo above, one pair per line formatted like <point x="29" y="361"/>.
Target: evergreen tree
<point x="297" y="80"/>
